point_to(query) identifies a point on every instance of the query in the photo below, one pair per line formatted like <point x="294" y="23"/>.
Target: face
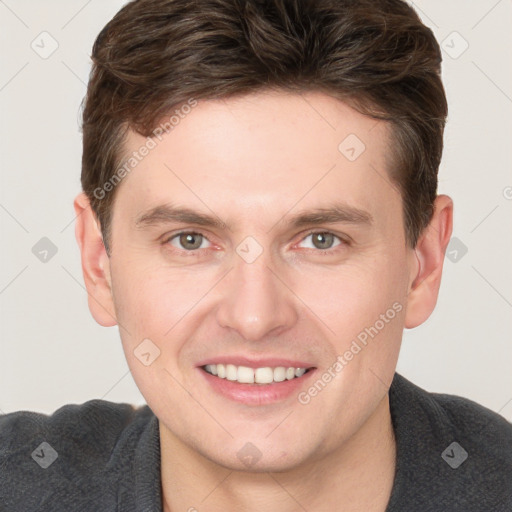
<point x="261" y="233"/>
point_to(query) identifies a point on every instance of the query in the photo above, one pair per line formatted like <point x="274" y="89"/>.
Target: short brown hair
<point x="376" y="55"/>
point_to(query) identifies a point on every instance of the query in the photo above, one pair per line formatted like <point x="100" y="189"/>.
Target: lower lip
<point x="256" y="394"/>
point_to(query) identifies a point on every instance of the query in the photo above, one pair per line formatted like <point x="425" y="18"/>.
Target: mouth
<point x="262" y="376"/>
<point x="257" y="385"/>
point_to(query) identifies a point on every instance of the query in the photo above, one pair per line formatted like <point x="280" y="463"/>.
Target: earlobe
<point x="427" y="271"/>
<point x="95" y="263"/>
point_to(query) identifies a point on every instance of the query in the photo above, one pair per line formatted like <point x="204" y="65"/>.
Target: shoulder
<point x="459" y="451"/>
<point x="96" y="426"/>
<point x="469" y="421"/>
<point x="478" y="425"/>
<point x="77" y="448"/>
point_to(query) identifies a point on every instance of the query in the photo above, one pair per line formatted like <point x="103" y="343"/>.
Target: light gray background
<point x="51" y="350"/>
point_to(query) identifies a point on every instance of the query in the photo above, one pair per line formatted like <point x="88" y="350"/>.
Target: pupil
<point x="324" y="239"/>
<point x="187" y="240"/>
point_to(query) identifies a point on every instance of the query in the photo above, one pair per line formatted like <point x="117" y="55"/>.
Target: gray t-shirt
<point x="452" y="455"/>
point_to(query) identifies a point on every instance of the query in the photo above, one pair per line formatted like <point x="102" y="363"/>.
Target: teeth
<point x="231" y="373"/>
<point x="246" y="375"/>
<point x="263" y="375"/>
<point x="279" y="374"/>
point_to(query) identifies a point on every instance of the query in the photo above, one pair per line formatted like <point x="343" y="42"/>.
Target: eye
<point x="191" y="241"/>
<point x="322" y="240"/>
<point x="187" y="240"/>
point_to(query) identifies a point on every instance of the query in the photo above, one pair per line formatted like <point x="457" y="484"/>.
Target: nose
<point x="255" y="300"/>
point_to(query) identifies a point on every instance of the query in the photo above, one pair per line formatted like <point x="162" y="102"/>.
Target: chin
<point x="250" y="459"/>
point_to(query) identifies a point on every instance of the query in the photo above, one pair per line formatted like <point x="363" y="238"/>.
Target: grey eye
<point x="322" y="240"/>
<point x="187" y="241"/>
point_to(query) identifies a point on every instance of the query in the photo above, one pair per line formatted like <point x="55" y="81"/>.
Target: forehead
<point x="263" y="152"/>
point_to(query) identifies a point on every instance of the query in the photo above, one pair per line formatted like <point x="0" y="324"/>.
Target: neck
<point x="356" y="477"/>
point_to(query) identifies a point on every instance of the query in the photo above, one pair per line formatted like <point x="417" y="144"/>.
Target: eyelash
<point x="343" y="241"/>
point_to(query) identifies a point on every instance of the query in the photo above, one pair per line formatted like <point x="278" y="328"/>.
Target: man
<point x="260" y="218"/>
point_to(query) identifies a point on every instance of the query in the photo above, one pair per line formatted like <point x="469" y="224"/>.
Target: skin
<point x="254" y="162"/>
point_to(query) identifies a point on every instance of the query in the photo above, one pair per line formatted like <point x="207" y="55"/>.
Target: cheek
<point x="353" y="297"/>
<point x="151" y="307"/>
<point x="151" y="297"/>
<point x="156" y="302"/>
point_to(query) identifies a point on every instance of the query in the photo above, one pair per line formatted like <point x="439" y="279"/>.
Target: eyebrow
<point x="165" y="214"/>
<point x="331" y="214"/>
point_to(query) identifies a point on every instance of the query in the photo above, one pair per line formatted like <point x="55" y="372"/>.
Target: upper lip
<point x="257" y="363"/>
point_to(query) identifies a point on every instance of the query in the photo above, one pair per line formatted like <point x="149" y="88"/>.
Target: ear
<point x="95" y="263"/>
<point x="429" y="255"/>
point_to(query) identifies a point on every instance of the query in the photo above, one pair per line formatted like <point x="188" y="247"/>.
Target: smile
<point x="246" y="375"/>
